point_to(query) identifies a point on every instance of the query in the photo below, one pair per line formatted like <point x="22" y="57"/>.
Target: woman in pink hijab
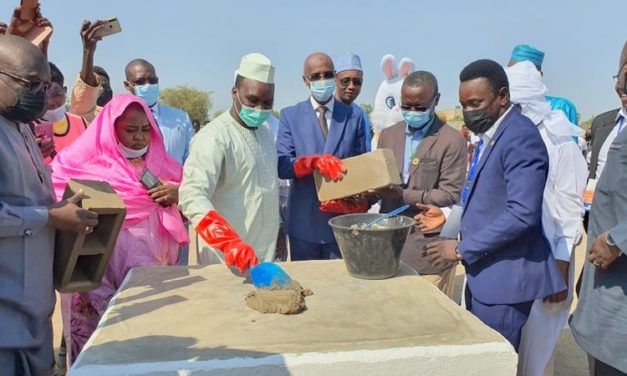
<point x="122" y="142"/>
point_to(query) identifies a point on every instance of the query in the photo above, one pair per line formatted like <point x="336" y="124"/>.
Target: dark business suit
<point x="300" y="135"/>
<point x="601" y="127"/>
<point x="507" y="258"/>
<point x="437" y="179"/>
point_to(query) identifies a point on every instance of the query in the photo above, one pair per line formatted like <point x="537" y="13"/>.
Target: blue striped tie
<point x="472" y="172"/>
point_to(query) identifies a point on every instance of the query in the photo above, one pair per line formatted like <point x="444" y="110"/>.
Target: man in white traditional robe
<point x="562" y="209"/>
<point x="230" y="186"/>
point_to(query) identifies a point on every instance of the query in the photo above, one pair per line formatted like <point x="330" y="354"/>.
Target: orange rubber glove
<point x="328" y="165"/>
<point x="219" y="234"/>
<point x="346" y="206"/>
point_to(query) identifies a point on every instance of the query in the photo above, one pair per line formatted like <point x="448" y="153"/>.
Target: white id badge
<point x="453" y="223"/>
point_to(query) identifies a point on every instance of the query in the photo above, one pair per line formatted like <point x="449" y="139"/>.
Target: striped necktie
<point x="472" y="172"/>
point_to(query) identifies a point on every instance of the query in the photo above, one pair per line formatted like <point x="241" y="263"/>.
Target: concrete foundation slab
<point x="194" y="321"/>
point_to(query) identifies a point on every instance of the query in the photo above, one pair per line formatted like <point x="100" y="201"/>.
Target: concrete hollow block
<point x="373" y="170"/>
<point x="80" y="260"/>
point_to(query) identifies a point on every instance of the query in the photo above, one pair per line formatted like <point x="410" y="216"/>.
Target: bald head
<point x="138" y="64"/>
<point x="317" y="61"/>
<point x="139" y="72"/>
<point x="20" y="58"/>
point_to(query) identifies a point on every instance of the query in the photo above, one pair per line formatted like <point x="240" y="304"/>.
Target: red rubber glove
<point x="346" y="206"/>
<point x="328" y="165"/>
<point x="219" y="234"/>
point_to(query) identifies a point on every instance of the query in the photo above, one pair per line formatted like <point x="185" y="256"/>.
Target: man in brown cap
<point x="600" y="322"/>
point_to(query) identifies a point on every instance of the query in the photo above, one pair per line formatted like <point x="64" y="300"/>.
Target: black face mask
<point x="104" y="97"/>
<point x="29" y="106"/>
<point x="478" y="121"/>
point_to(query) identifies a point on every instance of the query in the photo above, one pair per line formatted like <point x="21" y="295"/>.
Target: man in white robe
<point x="562" y="209"/>
<point x="230" y="187"/>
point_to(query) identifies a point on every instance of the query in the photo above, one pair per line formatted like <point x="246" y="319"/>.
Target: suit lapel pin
<point x="416" y="161"/>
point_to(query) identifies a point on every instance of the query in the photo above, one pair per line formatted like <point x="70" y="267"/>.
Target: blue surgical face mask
<point x="252" y="117"/>
<point x="148" y="92"/>
<point x="417" y="119"/>
<point x="322" y="90"/>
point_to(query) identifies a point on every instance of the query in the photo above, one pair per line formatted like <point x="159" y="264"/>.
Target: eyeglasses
<point x="144" y="81"/>
<point x="321" y="76"/>
<point x="33" y="86"/>
<point x="621" y="80"/>
<point x="344" y="82"/>
<point x="420" y="109"/>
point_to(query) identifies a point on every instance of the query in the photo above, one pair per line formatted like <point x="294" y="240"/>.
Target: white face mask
<point x="55" y="115"/>
<point x="132" y="153"/>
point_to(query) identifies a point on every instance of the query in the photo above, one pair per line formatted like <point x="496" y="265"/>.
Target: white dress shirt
<point x="621" y="122"/>
<point x="329" y="113"/>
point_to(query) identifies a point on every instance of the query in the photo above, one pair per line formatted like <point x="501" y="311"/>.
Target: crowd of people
<point x="244" y="183"/>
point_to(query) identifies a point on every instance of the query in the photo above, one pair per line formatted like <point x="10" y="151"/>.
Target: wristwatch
<point x="458" y="255"/>
<point x="610" y="242"/>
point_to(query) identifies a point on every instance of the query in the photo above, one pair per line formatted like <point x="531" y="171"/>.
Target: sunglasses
<point x="321" y="76"/>
<point x="344" y="82"/>
<point x="34" y="86"/>
<point x="144" y="81"/>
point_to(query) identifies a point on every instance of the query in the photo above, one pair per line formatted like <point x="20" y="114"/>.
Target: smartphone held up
<point x="110" y="27"/>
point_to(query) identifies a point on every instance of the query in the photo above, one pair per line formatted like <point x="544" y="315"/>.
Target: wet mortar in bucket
<point x="372" y="253"/>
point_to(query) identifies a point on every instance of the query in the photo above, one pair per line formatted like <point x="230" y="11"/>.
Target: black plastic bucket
<point x="374" y="253"/>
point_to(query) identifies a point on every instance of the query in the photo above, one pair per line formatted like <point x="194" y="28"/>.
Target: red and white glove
<point x="346" y="206"/>
<point x="328" y="165"/>
<point x="219" y="234"/>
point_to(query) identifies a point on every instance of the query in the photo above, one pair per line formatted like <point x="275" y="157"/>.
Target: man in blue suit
<point x="507" y="258"/>
<point x="314" y="135"/>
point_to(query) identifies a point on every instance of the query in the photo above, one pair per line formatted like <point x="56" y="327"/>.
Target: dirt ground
<point x="570" y="360"/>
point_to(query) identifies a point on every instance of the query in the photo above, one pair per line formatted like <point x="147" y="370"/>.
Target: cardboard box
<point x="373" y="170"/>
<point x="80" y="260"/>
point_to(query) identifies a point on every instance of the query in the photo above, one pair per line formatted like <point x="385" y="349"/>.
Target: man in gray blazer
<point x="28" y="215"/>
<point x="432" y="159"/>
<point x="600" y="322"/>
